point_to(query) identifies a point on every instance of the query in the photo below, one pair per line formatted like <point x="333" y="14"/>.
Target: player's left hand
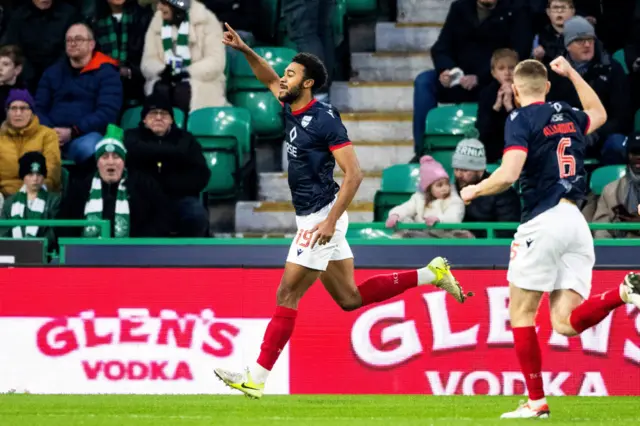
<point x="323" y="232"/>
<point x="469" y="193"/>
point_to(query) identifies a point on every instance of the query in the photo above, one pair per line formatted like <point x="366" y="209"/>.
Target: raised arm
<point x="259" y="65"/>
<point x="591" y="104"/>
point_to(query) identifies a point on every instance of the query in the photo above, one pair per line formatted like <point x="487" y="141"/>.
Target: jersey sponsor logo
<point x="560" y="128"/>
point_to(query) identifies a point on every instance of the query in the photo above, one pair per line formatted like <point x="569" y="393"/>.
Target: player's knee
<point x="562" y="326"/>
<point x="287" y="296"/>
<point x="521" y="315"/>
<point x="349" y="303"/>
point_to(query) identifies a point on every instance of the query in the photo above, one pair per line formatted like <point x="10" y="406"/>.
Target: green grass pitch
<point x="317" y="410"/>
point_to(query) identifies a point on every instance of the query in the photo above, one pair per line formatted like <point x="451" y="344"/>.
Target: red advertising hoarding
<point x="155" y="330"/>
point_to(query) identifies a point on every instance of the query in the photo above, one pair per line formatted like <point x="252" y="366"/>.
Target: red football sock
<point x="383" y="287"/>
<point x="594" y="310"/>
<point x="277" y="335"/>
<point x="530" y="358"/>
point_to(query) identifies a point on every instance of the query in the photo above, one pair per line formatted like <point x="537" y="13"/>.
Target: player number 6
<point x="566" y="162"/>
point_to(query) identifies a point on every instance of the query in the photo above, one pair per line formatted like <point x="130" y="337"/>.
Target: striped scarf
<point x="94" y="206"/>
<point x="182" y="44"/>
<point x="21" y="206"/>
<point x="108" y="38"/>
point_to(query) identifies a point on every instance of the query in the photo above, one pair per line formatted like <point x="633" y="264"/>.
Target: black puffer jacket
<point x="175" y="160"/>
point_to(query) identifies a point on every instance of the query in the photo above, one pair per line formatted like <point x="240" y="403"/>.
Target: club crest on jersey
<point x="330" y="112"/>
<point x="305" y="121"/>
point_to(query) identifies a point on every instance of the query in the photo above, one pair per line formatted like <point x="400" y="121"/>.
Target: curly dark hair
<point x="314" y="69"/>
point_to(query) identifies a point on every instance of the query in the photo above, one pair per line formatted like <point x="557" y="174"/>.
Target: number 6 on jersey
<point x="566" y="162"/>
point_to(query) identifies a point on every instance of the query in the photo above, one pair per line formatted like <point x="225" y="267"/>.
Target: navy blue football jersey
<point x="312" y="133"/>
<point x="553" y="135"/>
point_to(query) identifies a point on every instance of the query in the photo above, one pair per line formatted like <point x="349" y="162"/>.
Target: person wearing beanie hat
<point x="183" y="57"/>
<point x="620" y="198"/>
<point x="22" y="133"/>
<point x="435" y="201"/>
<point x="174" y="158"/>
<point x="159" y="104"/>
<point x="607" y="78"/>
<point x="469" y="168"/>
<point x="32" y="201"/>
<point x="133" y="202"/>
<point x="469" y="155"/>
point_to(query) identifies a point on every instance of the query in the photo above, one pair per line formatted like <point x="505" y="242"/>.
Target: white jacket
<point x="449" y="210"/>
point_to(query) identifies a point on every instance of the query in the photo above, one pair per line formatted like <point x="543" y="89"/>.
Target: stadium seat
<point x="605" y="175"/>
<point x="339" y="18"/>
<point x="383" y="202"/>
<point x="362" y="7"/>
<point x="637" y="121"/>
<point x="270" y="16"/>
<point x="444" y="157"/>
<point x="131" y="118"/>
<point x="242" y="78"/>
<point x="401" y="178"/>
<point x="265" y="110"/>
<point x="447" y="125"/>
<point x="492" y="167"/>
<point x="225" y="136"/>
<point x="619" y="57"/>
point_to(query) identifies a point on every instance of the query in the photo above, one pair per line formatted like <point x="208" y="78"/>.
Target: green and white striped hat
<point x="112" y="142"/>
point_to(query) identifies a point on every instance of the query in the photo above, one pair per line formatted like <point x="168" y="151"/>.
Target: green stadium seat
<point x="265" y="110"/>
<point x="131" y="118"/>
<point x="444" y="157"/>
<point x="447" y="125"/>
<point x="225" y="136"/>
<point x="619" y="57"/>
<point x="637" y="121"/>
<point x="492" y="167"/>
<point x="270" y="16"/>
<point x="338" y="21"/>
<point x="362" y="7"/>
<point x="383" y="202"/>
<point x="401" y="178"/>
<point x="242" y="77"/>
<point x="602" y="176"/>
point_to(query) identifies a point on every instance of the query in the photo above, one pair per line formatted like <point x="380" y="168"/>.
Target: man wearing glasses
<point x="79" y="95"/>
<point x="607" y="78"/>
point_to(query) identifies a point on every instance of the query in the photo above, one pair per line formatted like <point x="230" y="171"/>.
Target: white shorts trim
<point x="319" y="257"/>
<point x="553" y="251"/>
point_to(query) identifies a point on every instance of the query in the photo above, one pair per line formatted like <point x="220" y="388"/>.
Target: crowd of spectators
<point x="482" y="41"/>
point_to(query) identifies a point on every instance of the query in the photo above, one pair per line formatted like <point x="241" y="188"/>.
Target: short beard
<point x="291" y="96"/>
<point x="487" y="6"/>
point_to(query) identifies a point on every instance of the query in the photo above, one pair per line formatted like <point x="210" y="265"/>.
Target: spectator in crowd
<point x="619" y="200"/>
<point x="242" y="15"/>
<point x="434" y="202"/>
<point x="632" y="59"/>
<point x="612" y="20"/>
<point x="472" y="31"/>
<point x="174" y="158"/>
<point x="470" y="167"/>
<point x="607" y="78"/>
<point x="183" y="57"/>
<point x="549" y="42"/>
<point x="38" y="27"/>
<point x="119" y="29"/>
<point x="80" y="95"/>
<point x="21" y="133"/>
<point x="496" y="102"/>
<point x="11" y="62"/>
<point x="132" y="201"/>
<point x="310" y="27"/>
<point x="32" y="201"/>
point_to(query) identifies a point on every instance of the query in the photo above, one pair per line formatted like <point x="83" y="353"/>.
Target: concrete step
<point x="372" y="96"/>
<point x="423" y="10"/>
<point x="378" y="126"/>
<point x="389" y="66"/>
<point x="406" y="37"/>
<point x="275" y="187"/>
<point x="272" y="216"/>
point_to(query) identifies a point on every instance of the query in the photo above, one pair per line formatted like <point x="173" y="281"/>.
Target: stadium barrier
<point x="163" y="330"/>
